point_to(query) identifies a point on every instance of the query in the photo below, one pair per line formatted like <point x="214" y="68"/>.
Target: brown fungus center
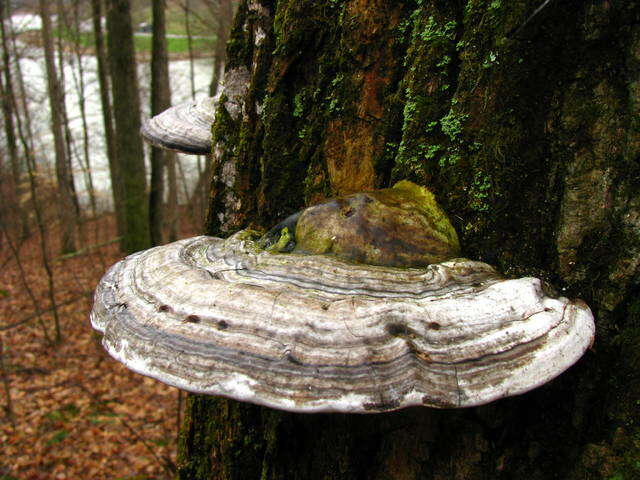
<point x="402" y="226"/>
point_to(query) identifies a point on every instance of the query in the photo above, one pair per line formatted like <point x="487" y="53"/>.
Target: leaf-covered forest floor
<point x="76" y="413"/>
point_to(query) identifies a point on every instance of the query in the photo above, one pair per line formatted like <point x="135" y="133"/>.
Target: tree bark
<point x="67" y="206"/>
<point x="126" y="110"/>
<point x="79" y="82"/>
<point x="117" y="189"/>
<point x="61" y="24"/>
<point x="172" y="200"/>
<point x="7" y="93"/>
<point x="524" y="123"/>
<point x="224" y="17"/>
<point x="187" y="26"/>
<point x="26" y="140"/>
<point x="23" y="115"/>
<point x="160" y="101"/>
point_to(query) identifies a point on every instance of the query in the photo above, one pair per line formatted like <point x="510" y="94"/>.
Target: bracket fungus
<point x="185" y="127"/>
<point x="311" y="331"/>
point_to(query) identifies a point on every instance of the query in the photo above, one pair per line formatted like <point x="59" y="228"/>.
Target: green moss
<point x="618" y="459"/>
<point x="226" y="133"/>
<point x="479" y="192"/>
<point x="433" y="31"/>
<point x="431" y="55"/>
<point x="283" y="241"/>
<point x="298" y="103"/>
<point x="451" y="124"/>
<point x="239" y="46"/>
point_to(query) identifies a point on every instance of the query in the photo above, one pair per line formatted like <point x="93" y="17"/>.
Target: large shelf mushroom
<point x="185" y="128"/>
<point x="314" y="331"/>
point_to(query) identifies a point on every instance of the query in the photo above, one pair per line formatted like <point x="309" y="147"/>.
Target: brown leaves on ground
<point x="77" y="412"/>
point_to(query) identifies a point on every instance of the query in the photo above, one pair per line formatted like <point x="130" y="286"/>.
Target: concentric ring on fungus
<point x="312" y="333"/>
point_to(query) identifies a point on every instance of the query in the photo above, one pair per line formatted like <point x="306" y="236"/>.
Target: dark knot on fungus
<point x="314" y="331"/>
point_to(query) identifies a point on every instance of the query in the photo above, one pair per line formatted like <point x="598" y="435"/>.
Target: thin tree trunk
<point x="183" y="180"/>
<point x="27" y="143"/>
<point x="15" y="252"/>
<point x="62" y="24"/>
<point x="9" y="129"/>
<point x="79" y="81"/>
<point x="30" y="163"/>
<point x="126" y="109"/>
<point x="67" y="206"/>
<point x="187" y="25"/>
<point x="117" y="189"/>
<point x="7" y="389"/>
<point x="160" y="101"/>
<point x="8" y="101"/>
<point x="224" y="18"/>
<point x="172" y="200"/>
<point x="199" y="191"/>
<point x="23" y="97"/>
<point x="200" y="194"/>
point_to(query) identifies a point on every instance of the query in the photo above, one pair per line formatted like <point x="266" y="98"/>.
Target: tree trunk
<point x="7" y="94"/>
<point x="79" y="81"/>
<point x="160" y="101"/>
<point x="61" y="25"/>
<point x="26" y="140"/>
<point x="187" y="26"/>
<point x="172" y="200"/>
<point x="524" y="122"/>
<point x="117" y="189"/>
<point x="23" y="115"/>
<point x="224" y="17"/>
<point x="126" y="110"/>
<point x="67" y="206"/>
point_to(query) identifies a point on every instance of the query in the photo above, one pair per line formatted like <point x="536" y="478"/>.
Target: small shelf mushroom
<point x="185" y="128"/>
<point x="316" y="332"/>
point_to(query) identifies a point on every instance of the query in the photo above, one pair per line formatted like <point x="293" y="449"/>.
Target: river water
<point x="33" y="69"/>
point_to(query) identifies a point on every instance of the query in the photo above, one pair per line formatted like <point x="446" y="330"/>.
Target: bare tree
<point x="67" y="207"/>
<point x="126" y="109"/>
<point x="7" y="390"/>
<point x="27" y="147"/>
<point x="61" y="27"/>
<point x="21" y="109"/>
<point x="10" y="136"/>
<point x="160" y="101"/>
<point x="172" y="199"/>
<point x="117" y="189"/>
<point x="79" y="82"/>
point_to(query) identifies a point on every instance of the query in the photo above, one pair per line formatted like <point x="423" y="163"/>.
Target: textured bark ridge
<point x="526" y="129"/>
<point x="309" y="333"/>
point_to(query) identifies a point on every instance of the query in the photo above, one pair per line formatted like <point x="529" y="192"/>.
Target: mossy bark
<point x="526" y="128"/>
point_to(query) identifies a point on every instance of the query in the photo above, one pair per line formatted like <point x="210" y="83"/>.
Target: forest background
<point x="66" y="411"/>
